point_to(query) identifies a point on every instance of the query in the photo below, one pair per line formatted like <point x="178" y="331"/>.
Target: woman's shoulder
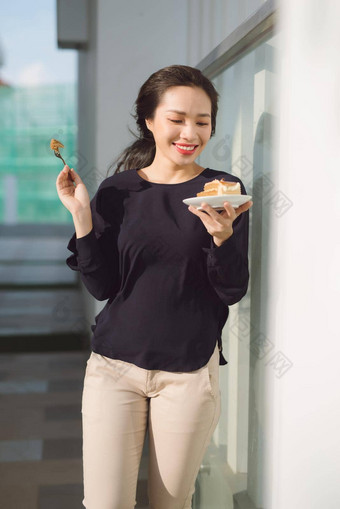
<point x="118" y="180"/>
<point x="110" y="194"/>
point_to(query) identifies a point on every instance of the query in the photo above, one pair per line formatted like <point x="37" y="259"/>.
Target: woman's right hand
<point x="74" y="197"/>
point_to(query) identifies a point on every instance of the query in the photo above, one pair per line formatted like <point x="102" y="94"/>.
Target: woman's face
<point x="181" y="125"/>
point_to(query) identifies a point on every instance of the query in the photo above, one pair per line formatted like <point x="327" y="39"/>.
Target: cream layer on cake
<point x="218" y="187"/>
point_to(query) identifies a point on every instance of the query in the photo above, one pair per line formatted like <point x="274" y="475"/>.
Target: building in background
<point x="30" y="117"/>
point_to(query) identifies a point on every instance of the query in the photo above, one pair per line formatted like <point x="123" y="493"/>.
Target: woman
<point x="169" y="273"/>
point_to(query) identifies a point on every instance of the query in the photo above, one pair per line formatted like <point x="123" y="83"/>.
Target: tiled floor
<point x="32" y="312"/>
<point x="40" y="300"/>
<point x="40" y="432"/>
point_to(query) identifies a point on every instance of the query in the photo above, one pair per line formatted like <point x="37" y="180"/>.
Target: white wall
<point x="304" y="275"/>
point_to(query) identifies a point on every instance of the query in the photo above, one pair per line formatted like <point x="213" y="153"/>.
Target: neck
<point x="167" y="176"/>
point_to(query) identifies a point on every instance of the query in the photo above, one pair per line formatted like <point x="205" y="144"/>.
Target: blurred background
<point x="38" y="98"/>
<point x="71" y="70"/>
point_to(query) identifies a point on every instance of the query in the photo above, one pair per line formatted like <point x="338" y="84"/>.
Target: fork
<point x="57" y="154"/>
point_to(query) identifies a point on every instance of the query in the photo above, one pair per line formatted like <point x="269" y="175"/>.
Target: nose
<point x="188" y="132"/>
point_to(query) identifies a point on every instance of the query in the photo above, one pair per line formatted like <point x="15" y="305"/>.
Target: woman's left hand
<point x="219" y="224"/>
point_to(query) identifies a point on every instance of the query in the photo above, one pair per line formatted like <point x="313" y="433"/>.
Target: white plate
<point x="217" y="201"/>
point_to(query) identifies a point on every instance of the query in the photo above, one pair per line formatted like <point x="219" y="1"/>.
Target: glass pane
<point x="232" y="474"/>
<point x="30" y="117"/>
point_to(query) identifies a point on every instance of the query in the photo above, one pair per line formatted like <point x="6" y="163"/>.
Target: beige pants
<point x="120" y="401"/>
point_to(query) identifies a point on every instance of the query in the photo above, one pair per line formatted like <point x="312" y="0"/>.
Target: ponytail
<point x="138" y="155"/>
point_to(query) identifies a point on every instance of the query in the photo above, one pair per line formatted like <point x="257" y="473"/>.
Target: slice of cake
<point x="218" y="187"/>
<point x="55" y="144"/>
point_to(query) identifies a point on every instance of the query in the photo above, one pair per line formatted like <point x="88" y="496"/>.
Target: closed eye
<point x="178" y="121"/>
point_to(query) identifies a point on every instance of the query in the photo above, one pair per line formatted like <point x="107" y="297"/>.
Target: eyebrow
<point x="183" y="113"/>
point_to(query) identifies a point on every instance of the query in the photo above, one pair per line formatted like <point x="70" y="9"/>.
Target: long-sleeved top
<point x="167" y="283"/>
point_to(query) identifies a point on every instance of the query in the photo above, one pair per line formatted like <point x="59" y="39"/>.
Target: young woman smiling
<point x="168" y="273"/>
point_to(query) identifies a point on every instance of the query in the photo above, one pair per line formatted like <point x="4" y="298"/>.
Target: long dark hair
<point x="141" y="152"/>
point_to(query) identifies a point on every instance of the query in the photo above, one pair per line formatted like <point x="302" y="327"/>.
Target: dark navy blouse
<point x="168" y="285"/>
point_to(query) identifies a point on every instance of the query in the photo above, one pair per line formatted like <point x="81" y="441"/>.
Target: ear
<point x="148" y="124"/>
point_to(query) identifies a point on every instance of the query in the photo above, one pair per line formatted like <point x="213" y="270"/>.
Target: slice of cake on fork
<point x="218" y="187"/>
